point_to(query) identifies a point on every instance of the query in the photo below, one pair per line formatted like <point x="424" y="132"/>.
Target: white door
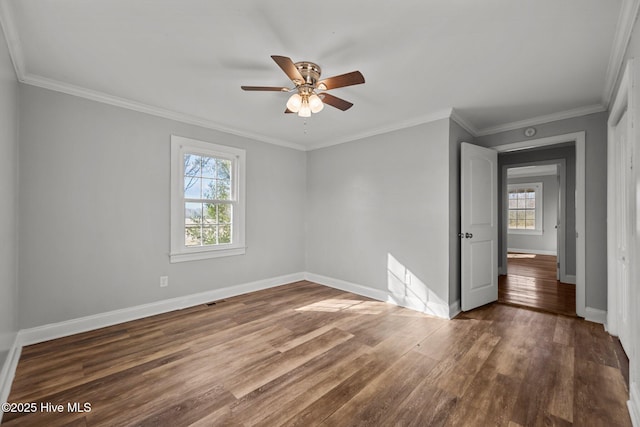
<point x="623" y="179"/>
<point x="479" y="225"/>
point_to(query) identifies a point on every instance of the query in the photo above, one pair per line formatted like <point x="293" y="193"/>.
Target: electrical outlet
<point x="164" y="281"/>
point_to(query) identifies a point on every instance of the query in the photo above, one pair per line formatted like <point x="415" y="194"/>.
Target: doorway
<point x="574" y="225"/>
<point x="536" y="250"/>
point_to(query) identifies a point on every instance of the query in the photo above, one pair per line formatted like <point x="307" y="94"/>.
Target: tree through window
<point x="207" y="202"/>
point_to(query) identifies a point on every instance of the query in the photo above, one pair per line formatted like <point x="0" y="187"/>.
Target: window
<point x="525" y="208"/>
<point x="207" y="200"/>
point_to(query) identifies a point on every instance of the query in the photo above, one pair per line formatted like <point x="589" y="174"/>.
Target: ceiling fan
<point x="309" y="96"/>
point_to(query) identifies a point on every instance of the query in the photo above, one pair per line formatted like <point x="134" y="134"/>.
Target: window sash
<point x="524" y="208"/>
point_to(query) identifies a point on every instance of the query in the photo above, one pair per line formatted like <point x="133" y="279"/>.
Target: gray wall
<point x="94" y="210"/>
<point x="8" y="200"/>
<point x="548" y="240"/>
<point x="380" y="196"/>
<point x="595" y="127"/>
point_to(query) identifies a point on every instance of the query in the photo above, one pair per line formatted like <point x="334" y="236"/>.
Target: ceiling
<point x="496" y="63"/>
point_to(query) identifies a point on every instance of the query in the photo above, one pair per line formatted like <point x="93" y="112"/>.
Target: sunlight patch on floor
<point x="521" y="255"/>
<point x="335" y="305"/>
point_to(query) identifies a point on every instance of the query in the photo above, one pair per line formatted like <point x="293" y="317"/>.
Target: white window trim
<point x="179" y="252"/>
<point x="539" y="211"/>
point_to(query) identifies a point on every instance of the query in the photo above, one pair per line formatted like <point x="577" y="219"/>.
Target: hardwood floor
<point x="305" y="354"/>
<point x="531" y="282"/>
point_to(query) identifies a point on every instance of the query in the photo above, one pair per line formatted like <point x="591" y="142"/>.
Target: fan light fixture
<point x="305" y="104"/>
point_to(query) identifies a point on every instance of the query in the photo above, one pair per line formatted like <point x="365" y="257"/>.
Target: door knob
<point x="468" y="235"/>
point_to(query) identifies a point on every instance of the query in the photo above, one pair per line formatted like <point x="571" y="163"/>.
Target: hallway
<point x="531" y="282"/>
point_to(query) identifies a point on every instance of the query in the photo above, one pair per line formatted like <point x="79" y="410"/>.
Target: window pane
<point x="513" y="223"/>
<point x="512" y="215"/>
<point x="513" y="203"/>
<point x="224" y="234"/>
<point x="192" y="236"/>
<point x="192" y="164"/>
<point x="209" y="235"/>
<point x="210" y="213"/>
<point x="192" y="187"/>
<point x="531" y="203"/>
<point x="531" y="224"/>
<point x="208" y="188"/>
<point x="224" y="190"/>
<point x="531" y="214"/>
<point x="224" y="214"/>
<point x="192" y="213"/>
<point x="208" y="167"/>
<point x="223" y="168"/>
<point x="521" y="203"/>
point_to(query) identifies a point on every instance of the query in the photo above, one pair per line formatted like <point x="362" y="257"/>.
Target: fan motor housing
<point x="309" y="71"/>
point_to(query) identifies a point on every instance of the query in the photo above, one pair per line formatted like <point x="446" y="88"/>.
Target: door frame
<point x="579" y="139"/>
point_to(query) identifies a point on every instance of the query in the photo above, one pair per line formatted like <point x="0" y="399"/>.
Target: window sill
<point x="205" y="254"/>
<point x="529" y="232"/>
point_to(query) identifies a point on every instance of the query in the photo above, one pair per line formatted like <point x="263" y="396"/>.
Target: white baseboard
<point x="533" y="251"/>
<point x="9" y="370"/>
<point x="430" y="307"/>
<point x="343" y="285"/>
<point x="633" y="404"/>
<point x="596" y="315"/>
<point x="568" y="278"/>
<point x="101" y="320"/>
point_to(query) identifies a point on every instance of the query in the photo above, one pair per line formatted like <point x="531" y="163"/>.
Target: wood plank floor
<point x="531" y="282"/>
<point x="305" y="354"/>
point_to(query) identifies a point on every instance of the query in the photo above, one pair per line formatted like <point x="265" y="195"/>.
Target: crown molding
<point x="464" y="123"/>
<point x="416" y="121"/>
<point x="82" y="92"/>
<point x="562" y="115"/>
<point x="13" y="40"/>
<point x="624" y="28"/>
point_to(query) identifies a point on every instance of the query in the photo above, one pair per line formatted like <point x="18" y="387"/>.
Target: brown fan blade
<point x="287" y="111"/>
<point x="336" y="102"/>
<point x="289" y="68"/>
<point x="266" y="88"/>
<point x="349" y="79"/>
